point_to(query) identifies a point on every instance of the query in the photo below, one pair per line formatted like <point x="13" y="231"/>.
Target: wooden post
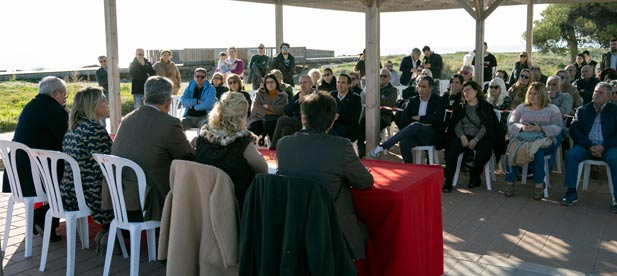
<point x="529" y="31"/>
<point x="278" y="14"/>
<point x="371" y="60"/>
<point x="113" y="72"/>
<point x="479" y="57"/>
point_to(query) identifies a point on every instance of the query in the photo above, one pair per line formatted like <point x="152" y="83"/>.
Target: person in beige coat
<point x="151" y="138"/>
<point x="199" y="229"/>
<point x="167" y="68"/>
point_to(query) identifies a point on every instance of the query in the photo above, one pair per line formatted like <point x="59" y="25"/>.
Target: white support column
<point x="372" y="75"/>
<point x="113" y="72"/>
<point x="529" y="31"/>
<point x="479" y="58"/>
<point x="279" y="23"/>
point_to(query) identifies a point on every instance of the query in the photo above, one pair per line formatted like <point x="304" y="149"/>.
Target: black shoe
<point x="446" y="190"/>
<point x="447" y="186"/>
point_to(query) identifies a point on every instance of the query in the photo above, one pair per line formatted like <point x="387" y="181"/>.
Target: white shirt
<point x="422" y="109"/>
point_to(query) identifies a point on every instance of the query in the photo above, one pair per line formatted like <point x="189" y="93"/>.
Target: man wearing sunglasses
<point x="140" y="70"/>
<point x="259" y="66"/>
<point x="285" y="62"/>
<point x="198" y="98"/>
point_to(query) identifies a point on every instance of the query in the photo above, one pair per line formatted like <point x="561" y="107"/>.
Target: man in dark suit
<point x="312" y="153"/>
<point x="609" y="59"/>
<point x="153" y="139"/>
<point x="594" y="131"/>
<point x="410" y="66"/>
<point x="41" y="125"/>
<point x="586" y="84"/>
<point x="432" y="61"/>
<point x="348" y="109"/>
<point x="423" y="121"/>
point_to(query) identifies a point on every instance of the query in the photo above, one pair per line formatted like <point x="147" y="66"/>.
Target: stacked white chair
<point x="112" y="167"/>
<point x="47" y="163"/>
<point x="7" y="151"/>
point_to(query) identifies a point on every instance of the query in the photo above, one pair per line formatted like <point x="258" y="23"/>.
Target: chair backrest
<point x="8" y="152"/>
<point x="112" y="167"/>
<point x="47" y="162"/>
<point x="176" y="106"/>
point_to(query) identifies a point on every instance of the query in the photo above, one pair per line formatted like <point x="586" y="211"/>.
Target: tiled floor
<point x="484" y="233"/>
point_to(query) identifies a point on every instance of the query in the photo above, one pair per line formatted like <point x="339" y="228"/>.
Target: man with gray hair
<point x="586" y="83"/>
<point x="153" y="139"/>
<point x="594" y="131"/>
<point x="291" y="123"/>
<point x="561" y="100"/>
<point x="41" y="125"/>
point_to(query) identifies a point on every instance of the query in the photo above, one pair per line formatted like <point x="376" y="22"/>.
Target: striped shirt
<point x="595" y="135"/>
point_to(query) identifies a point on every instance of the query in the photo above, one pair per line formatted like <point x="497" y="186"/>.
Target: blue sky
<point x="71" y="33"/>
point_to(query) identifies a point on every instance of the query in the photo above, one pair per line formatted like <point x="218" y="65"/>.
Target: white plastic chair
<point x="489" y="172"/>
<point x="176" y="107"/>
<point x="547" y="172"/>
<point x="112" y="167"/>
<point x="558" y="159"/>
<point x="47" y="163"/>
<point x="587" y="166"/>
<point x="7" y="151"/>
<point x="433" y="156"/>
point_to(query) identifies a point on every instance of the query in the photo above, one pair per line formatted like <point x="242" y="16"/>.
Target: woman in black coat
<point x="472" y="128"/>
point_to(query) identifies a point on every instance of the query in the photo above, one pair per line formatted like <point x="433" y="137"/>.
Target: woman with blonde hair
<point x="167" y="68"/>
<point x="519" y="88"/>
<point x="498" y="95"/>
<point x="234" y="83"/>
<point x="541" y="117"/>
<point x="226" y="143"/>
<point x="84" y="137"/>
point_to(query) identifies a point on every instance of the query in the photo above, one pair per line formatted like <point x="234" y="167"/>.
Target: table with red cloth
<point x="403" y="215"/>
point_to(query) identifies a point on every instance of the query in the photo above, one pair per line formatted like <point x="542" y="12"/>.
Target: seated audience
<point x="41" y="125"/>
<point x="235" y="85"/>
<point x="467" y="72"/>
<point x="388" y="94"/>
<point x="453" y="96"/>
<point x="348" y="109"/>
<point x="198" y="98"/>
<point x="268" y="106"/>
<point x="613" y="97"/>
<point x="355" y="83"/>
<point x="518" y="90"/>
<point x="315" y="76"/>
<point x="227" y="144"/>
<point x="535" y="115"/>
<point x="566" y="86"/>
<point x="523" y="63"/>
<point x="291" y="123"/>
<point x="423" y="121"/>
<point x="285" y="87"/>
<point x="594" y="131"/>
<point x="394" y="77"/>
<point x="536" y="75"/>
<point x="608" y="75"/>
<point x="313" y="154"/>
<point x="578" y="64"/>
<point x="327" y="82"/>
<point x="586" y="83"/>
<point x="84" y="137"/>
<point x="562" y="100"/>
<point x="153" y="139"/>
<point x="472" y="130"/>
<point x="571" y="69"/>
<point x="218" y="81"/>
<point x="498" y="74"/>
<point x="499" y="99"/>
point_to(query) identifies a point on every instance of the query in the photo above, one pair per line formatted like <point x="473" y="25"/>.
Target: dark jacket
<point x="494" y="132"/>
<point x="406" y="65"/>
<point x="289" y="227"/>
<point x="516" y="71"/>
<point x="101" y="78"/>
<point x="436" y="63"/>
<point x="583" y="121"/>
<point x="606" y="61"/>
<point x="324" y="86"/>
<point x="434" y="116"/>
<point x="586" y="88"/>
<point x="139" y="74"/>
<point x="331" y="160"/>
<point x="348" y="109"/>
<point x="286" y="67"/>
<point x="41" y="125"/>
<point x="388" y="95"/>
<point x="292" y="109"/>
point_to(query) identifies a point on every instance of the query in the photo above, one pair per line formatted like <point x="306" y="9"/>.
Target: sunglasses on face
<point x="494" y="87"/>
<point x="140" y="55"/>
<point x="285" y="49"/>
<point x="525" y="77"/>
<point x="523" y="56"/>
<point x="384" y="76"/>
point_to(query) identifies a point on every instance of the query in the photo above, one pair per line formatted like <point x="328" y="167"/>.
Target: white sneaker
<point x="376" y="152"/>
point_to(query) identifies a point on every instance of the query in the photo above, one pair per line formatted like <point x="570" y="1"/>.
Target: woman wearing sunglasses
<point x="518" y="90"/>
<point x="522" y="63"/>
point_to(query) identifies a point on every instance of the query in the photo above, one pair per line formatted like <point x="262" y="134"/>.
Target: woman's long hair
<point x="84" y="106"/>
<point x="229" y="113"/>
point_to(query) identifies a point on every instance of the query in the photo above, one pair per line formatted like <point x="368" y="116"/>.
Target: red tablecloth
<point x="403" y="214"/>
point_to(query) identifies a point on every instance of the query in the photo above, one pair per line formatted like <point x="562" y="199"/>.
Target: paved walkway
<point x="484" y="233"/>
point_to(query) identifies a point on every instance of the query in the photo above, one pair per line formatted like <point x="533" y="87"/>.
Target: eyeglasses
<point x="327" y="75"/>
<point x="233" y="81"/>
<point x="285" y="49"/>
<point x="200" y="76"/>
<point x="494" y="87"/>
<point x="523" y="56"/>
<point x="562" y="77"/>
<point x="524" y="77"/>
<point x="384" y="76"/>
<point x="218" y="79"/>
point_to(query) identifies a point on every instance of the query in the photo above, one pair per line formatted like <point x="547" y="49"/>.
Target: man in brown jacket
<point x="153" y="139"/>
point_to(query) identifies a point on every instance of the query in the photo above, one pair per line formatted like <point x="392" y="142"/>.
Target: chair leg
<point x="84" y="235"/>
<point x="7" y="224"/>
<point x="579" y="174"/>
<point x="558" y="160"/>
<point x="111" y="238"/>
<point x="71" y="242"/>
<point x="151" y="245"/>
<point x="524" y="174"/>
<point x="547" y="183"/>
<point x="125" y="254"/>
<point x="29" y="225"/>
<point x="610" y="184"/>
<point x="459" y="161"/>
<point x="135" y="243"/>
<point x="431" y="157"/>
<point x="436" y="155"/>
<point x="46" y="236"/>
<point x="586" y="179"/>
<point x="487" y="176"/>
<point x="417" y="155"/>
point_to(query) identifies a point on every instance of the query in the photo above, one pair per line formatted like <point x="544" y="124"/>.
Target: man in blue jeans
<point x="594" y="131"/>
